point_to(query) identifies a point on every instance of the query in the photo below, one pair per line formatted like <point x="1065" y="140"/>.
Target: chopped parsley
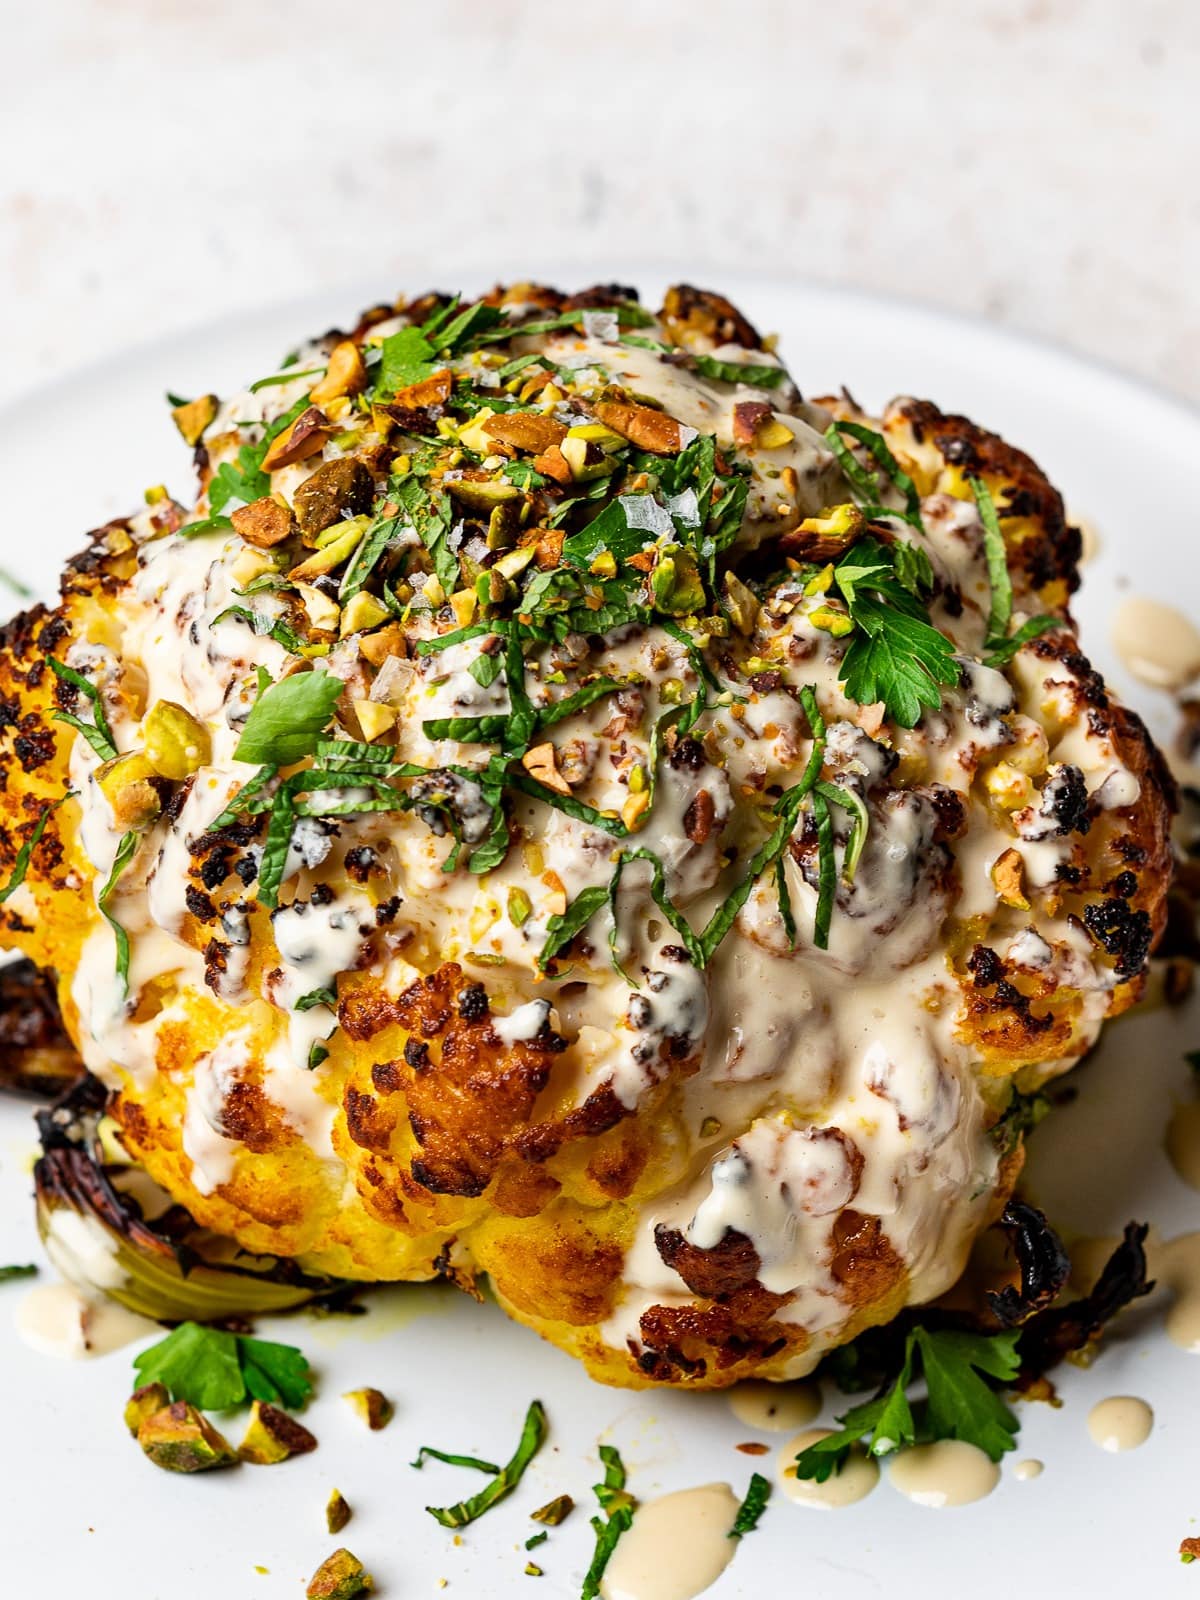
<point x="895" y="654"/>
<point x="964" y="1374"/>
<point x="506" y="1479"/>
<point x="8" y="1274"/>
<point x="215" y="1370"/>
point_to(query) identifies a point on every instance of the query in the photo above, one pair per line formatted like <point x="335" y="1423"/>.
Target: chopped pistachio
<point x="341" y="1577"/>
<point x="363" y="611"/>
<point x="176" y="744"/>
<point x="179" y="1439"/>
<point x="374" y="718"/>
<point x="741" y="603"/>
<point x="193" y="417"/>
<point x="250" y="564"/>
<point x="345" y="374"/>
<point x="125" y="783"/>
<point x="264" y="523"/>
<point x="474" y="435"/>
<point x="1008" y="879"/>
<point x="464" y="603"/>
<point x="156" y="494"/>
<point x="554" y="1511"/>
<point x="337" y="1512"/>
<point x="586" y="461"/>
<point x="298" y="441"/>
<point x="482" y="494"/>
<point x="597" y="433"/>
<point x="532" y="1570"/>
<point x="709" y="1127"/>
<point x="604" y="566"/>
<point x="324" y="614"/>
<point x="378" y="647"/>
<point x="541" y="763"/>
<point x="675" y="584"/>
<point x="831" y="621"/>
<point x="844" y="523"/>
<point x="373" y="1407"/>
<point x="634" y="809"/>
<point x="773" y="435"/>
<point x="143" y="1403"/>
<point x="272" y="1436"/>
<point x="520" y="907"/>
<point x="515" y="561"/>
<point x="332" y="553"/>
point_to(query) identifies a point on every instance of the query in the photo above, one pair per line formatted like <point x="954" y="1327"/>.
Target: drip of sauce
<point x="1158" y="644"/>
<point x="1183" y="1142"/>
<point x="775" y="1407"/>
<point x="57" y="1320"/>
<point x="1120" y="1423"/>
<point x="845" y="1488"/>
<point x="1025" y="1471"/>
<point x="1178" y="1266"/>
<point x="676" y="1547"/>
<point x="948" y="1473"/>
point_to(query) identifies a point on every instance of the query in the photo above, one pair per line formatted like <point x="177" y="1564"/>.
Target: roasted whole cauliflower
<point x="562" y="806"/>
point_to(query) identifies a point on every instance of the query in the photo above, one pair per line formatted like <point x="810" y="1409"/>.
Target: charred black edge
<point x="36" y="1055"/>
<point x="70" y="1172"/>
<point x="1042" y="1258"/>
<point x="873" y="1360"/>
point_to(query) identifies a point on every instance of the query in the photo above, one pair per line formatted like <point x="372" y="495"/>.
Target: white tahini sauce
<point x="948" y="1473"/>
<point x="775" y="1407"/>
<point x="1121" y="1422"/>
<point x="845" y="1488"/>
<point x="677" y="1546"/>
<point x="1158" y="644"/>
<point x="57" y="1319"/>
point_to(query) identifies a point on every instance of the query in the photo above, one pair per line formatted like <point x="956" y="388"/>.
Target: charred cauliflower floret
<point x="564" y="807"/>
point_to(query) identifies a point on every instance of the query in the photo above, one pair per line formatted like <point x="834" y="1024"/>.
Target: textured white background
<point x="166" y="161"/>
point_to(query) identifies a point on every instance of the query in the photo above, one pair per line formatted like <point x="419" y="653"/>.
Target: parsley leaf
<point x="895" y="654"/>
<point x="288" y="718"/>
<point x="215" y="1370"/>
<point x="961" y="1403"/>
<point x="7" y="1274"/>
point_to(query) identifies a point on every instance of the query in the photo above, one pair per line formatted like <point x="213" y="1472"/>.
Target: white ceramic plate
<point x="80" y="1509"/>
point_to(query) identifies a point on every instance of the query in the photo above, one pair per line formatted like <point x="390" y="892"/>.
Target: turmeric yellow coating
<point x="469" y="1015"/>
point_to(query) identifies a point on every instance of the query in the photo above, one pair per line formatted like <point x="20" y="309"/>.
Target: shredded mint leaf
<point x="407" y="358"/>
<point x="878" y="446"/>
<point x="533" y="1436"/>
<point x="1002" y="651"/>
<point x="288" y="718"/>
<point x="7" y="1274"/>
<point x="756" y="376"/>
<point x="125" y="853"/>
<point x="97" y="732"/>
<point x="562" y="928"/>
<point x="454" y="1461"/>
<point x="25" y="853"/>
<point x="752" y="1507"/>
<point x="618" y="1506"/>
<point x="996" y="554"/>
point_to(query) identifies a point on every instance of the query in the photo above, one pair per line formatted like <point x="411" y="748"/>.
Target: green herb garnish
<point x="533" y="1435"/>
<point x="25" y="853"/>
<point x="752" y="1507"/>
<point x="216" y="1371"/>
<point x="125" y="853"/>
<point x="288" y="718"/>
<point x="618" y="1506"/>
<point x="961" y="1402"/>
<point x="97" y="732"/>
<point x="8" y="1274"/>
